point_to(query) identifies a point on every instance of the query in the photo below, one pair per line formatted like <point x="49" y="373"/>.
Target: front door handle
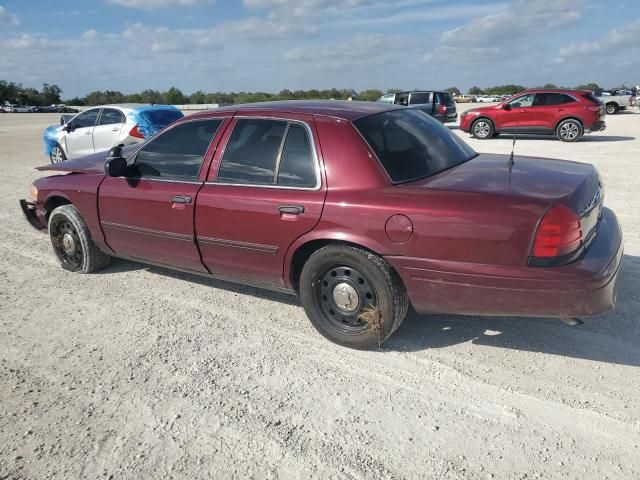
<point x="181" y="199"/>
<point x="291" y="209"/>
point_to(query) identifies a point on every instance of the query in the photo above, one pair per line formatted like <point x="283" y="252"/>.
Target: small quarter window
<point x="177" y="153"/>
<point x="297" y="167"/>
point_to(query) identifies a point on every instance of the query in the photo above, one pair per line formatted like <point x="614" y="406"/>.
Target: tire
<point x="569" y="130"/>
<point x="57" y="154"/>
<point x="352" y="297"/>
<point x="612" y="109"/>
<point x="72" y="242"/>
<point x="482" y="128"/>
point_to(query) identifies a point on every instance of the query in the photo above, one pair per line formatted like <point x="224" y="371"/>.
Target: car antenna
<point x="513" y="147"/>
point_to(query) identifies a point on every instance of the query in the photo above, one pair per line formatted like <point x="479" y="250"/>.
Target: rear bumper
<point x="597" y="127"/>
<point x="34" y="216"/>
<point x="583" y="288"/>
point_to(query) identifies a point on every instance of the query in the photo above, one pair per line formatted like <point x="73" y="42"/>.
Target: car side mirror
<point x="506" y="107"/>
<point x="116" y="165"/>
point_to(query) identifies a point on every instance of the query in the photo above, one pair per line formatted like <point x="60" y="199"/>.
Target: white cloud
<point x="8" y="18"/>
<point x="265" y="28"/>
<point x="618" y="41"/>
<point x="153" y="4"/>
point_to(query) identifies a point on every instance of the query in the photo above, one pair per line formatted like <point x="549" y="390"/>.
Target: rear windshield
<point x="445" y="98"/>
<point x="161" y="118"/>
<point x="411" y="145"/>
<point x="593" y="98"/>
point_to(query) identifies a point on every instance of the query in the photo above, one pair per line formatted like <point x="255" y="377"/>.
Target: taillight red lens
<point x="559" y="233"/>
<point x="442" y="109"/>
<point x="135" y="132"/>
<point x="594" y="108"/>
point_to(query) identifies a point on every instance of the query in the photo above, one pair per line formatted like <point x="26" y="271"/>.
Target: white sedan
<point x="100" y="128"/>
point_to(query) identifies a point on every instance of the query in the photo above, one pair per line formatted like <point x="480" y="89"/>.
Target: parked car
<point x="359" y="208"/>
<point x="19" y="109"/>
<point x="464" y="99"/>
<point x="615" y="100"/>
<point x="486" y="99"/>
<point x="438" y="104"/>
<point x="100" y="128"/>
<point x="567" y="114"/>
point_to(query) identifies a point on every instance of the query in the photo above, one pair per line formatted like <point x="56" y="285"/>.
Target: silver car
<point x="100" y="128"/>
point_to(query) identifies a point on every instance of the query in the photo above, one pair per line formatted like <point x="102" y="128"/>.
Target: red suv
<point x="567" y="114"/>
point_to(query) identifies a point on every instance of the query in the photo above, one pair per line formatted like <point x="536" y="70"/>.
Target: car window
<point x="86" y="119"/>
<point x="522" y="101"/>
<point x="297" y="164"/>
<point x="545" y="99"/>
<point x="444" y="98"/>
<point x="419" y="98"/>
<point x="177" y="153"/>
<point x="411" y="145"/>
<point x="252" y="152"/>
<point x="110" y="116"/>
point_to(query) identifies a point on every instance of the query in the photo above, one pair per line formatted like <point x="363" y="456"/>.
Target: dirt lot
<point x="139" y="372"/>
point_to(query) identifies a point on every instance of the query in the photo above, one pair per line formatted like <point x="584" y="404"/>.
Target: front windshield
<point x="411" y="145"/>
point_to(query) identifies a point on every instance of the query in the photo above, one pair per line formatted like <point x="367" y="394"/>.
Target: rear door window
<point x="548" y="99"/>
<point x="176" y="154"/>
<point x="269" y="152"/>
<point x="420" y="98"/>
<point x="110" y="116"/>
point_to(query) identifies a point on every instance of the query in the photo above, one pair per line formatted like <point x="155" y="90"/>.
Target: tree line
<point x="15" y="93"/>
<point x="50" y="94"/>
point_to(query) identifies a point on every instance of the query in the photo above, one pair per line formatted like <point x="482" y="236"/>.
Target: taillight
<point x="135" y="132"/>
<point x="442" y="109"/>
<point x="594" y="108"/>
<point x="559" y="234"/>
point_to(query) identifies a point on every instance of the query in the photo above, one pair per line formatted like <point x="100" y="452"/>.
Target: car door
<point x="547" y="109"/>
<point x="149" y="214"/>
<point x="515" y="114"/>
<point x="107" y="131"/>
<point x="264" y="191"/>
<point x="79" y="137"/>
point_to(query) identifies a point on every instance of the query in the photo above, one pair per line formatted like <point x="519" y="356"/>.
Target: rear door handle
<point x="181" y="199"/>
<point x="291" y="209"/>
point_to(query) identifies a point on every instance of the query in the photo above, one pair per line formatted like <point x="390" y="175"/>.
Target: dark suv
<point x="439" y="105"/>
<point x="567" y="114"/>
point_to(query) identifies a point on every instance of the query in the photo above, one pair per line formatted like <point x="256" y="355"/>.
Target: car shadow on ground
<point x="586" y="138"/>
<point x="613" y="337"/>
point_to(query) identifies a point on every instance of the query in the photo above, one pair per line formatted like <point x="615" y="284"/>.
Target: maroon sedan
<point x="359" y="208"/>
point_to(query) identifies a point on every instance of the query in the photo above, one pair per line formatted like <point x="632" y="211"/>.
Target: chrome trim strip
<point x="148" y="231"/>
<point x="221" y="242"/>
<point x="314" y="150"/>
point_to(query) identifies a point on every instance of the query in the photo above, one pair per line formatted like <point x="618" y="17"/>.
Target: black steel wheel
<point x="352" y="296"/>
<point x="72" y="242"/>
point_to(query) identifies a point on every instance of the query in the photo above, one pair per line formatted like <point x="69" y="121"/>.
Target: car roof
<point x="345" y="110"/>
<point x="554" y="90"/>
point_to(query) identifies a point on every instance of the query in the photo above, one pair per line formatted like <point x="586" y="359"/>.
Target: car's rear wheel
<point x="57" y="155"/>
<point x="72" y="242"/>
<point x="569" y="130"/>
<point x="482" y="128"/>
<point x="352" y="296"/>
<point x="612" y="108"/>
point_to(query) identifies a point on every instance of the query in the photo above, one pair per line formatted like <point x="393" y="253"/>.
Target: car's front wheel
<point x="57" y="155"/>
<point x="569" y="130"/>
<point x="72" y="242"/>
<point x="352" y="296"/>
<point x="482" y="129"/>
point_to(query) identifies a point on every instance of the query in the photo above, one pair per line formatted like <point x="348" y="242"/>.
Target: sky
<point x="270" y="45"/>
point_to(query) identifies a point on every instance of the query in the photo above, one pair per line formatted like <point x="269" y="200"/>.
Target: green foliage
<point x="549" y="85"/>
<point x="504" y="89"/>
<point x="454" y="90"/>
<point x="174" y="96"/>
<point x="370" y="95"/>
<point x="589" y="86"/>
<point x="476" y="91"/>
<point x="15" y="93"/>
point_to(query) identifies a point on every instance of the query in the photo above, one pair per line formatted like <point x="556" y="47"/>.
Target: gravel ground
<point x="139" y="372"/>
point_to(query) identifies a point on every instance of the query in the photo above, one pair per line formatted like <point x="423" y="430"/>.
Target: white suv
<point x="100" y="128"/>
